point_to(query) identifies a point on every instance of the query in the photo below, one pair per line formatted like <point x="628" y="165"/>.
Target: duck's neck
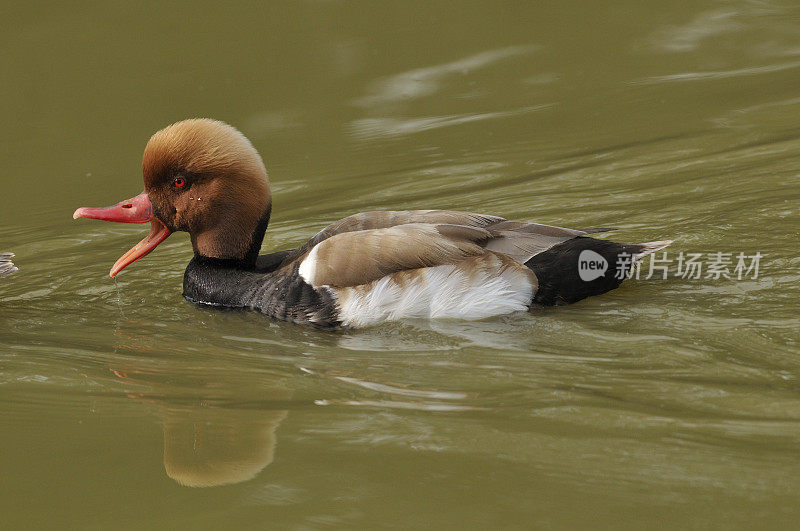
<point x="227" y="252"/>
<point x="257" y="238"/>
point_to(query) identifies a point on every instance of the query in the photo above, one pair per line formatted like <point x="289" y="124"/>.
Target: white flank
<point x="445" y="291"/>
<point x="308" y="267"/>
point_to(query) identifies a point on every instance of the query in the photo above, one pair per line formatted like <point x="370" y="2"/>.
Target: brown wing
<point x="382" y="219"/>
<point x="361" y="256"/>
<point x="522" y="241"/>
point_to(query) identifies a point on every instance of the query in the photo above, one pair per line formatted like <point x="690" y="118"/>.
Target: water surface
<point x="667" y="402"/>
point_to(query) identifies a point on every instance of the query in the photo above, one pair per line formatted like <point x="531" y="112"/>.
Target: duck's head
<point x="203" y="177"/>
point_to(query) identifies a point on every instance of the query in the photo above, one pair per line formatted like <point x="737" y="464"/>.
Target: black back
<point x="559" y="275"/>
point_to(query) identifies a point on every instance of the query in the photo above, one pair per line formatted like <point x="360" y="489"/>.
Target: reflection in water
<point x="689" y="36"/>
<point x="722" y="74"/>
<point x="219" y="424"/>
<point x="671" y="403"/>
<point x="367" y="128"/>
<point x="426" y="81"/>
<point x="206" y="446"/>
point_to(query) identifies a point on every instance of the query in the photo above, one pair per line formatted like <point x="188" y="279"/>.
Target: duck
<point x="204" y="177"/>
<point x="6" y="265"/>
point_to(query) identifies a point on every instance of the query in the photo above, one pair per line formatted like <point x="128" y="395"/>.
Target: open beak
<point x="134" y="210"/>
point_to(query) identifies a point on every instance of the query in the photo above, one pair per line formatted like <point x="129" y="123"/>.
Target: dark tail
<point x="582" y="267"/>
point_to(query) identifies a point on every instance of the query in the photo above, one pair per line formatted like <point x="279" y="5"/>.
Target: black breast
<point x="281" y="293"/>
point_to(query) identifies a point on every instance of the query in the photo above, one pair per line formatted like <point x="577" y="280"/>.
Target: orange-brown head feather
<point x="225" y="195"/>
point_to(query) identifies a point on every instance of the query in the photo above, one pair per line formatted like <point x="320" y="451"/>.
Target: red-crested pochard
<point x="6" y="265"/>
<point x="204" y="177"/>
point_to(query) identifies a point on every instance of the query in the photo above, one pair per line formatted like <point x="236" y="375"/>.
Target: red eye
<point x="179" y="182"/>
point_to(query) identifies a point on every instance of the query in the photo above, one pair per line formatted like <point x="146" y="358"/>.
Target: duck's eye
<point x="178" y="182"/>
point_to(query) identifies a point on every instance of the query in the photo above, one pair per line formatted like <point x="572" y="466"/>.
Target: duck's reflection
<point x="220" y="407"/>
<point x="206" y="445"/>
<point x="219" y="415"/>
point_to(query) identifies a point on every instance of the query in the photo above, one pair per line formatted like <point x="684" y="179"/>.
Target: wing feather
<point x="382" y="219"/>
<point x="357" y="257"/>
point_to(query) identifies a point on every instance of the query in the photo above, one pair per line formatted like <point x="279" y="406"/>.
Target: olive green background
<point x="665" y="403"/>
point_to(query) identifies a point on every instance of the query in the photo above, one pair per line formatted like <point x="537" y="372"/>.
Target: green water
<point x="665" y="403"/>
